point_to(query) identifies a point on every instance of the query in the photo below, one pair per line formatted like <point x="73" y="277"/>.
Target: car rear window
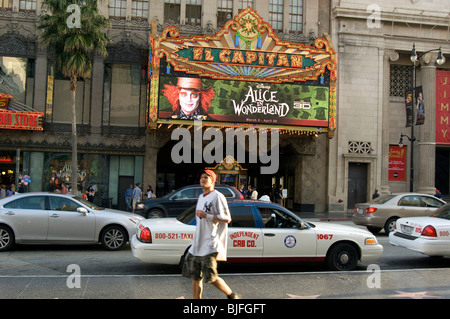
<point x="382" y="199"/>
<point x="32" y="202"/>
<point x="225" y="191"/>
<point x="431" y="202"/>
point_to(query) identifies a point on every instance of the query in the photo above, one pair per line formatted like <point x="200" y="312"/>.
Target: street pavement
<point x="368" y="283"/>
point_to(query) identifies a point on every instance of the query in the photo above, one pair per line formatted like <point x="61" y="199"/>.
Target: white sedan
<point x="427" y="235"/>
<point x="260" y="232"/>
<point x="50" y="218"/>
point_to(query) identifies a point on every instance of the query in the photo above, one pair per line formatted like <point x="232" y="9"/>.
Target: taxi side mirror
<point x="302" y="225"/>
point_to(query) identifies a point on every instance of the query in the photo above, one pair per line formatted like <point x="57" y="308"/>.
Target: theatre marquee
<point x="244" y="75"/>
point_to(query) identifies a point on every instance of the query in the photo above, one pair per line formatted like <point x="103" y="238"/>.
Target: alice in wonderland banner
<point x="243" y="102"/>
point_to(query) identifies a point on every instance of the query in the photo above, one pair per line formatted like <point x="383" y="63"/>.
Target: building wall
<point x="370" y="37"/>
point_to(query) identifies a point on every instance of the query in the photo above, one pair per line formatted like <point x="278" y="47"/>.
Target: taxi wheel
<point x="6" y="238"/>
<point x="114" y="238"/>
<point x="343" y="256"/>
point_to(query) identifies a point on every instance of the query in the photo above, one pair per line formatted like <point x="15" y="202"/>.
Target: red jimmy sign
<point x="442" y="107"/>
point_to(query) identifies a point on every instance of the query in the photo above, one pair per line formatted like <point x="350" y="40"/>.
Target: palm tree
<point x="74" y="46"/>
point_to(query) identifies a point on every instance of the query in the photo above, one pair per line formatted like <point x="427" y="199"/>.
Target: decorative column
<point x="389" y="56"/>
<point x="427" y="134"/>
<point x="154" y="140"/>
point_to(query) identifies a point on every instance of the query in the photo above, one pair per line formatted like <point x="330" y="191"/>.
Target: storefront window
<point x="59" y="100"/>
<point x="125" y="95"/>
<point x="93" y="170"/>
<point x="17" y="78"/>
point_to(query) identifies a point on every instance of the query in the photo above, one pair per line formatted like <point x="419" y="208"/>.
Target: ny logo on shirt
<point x="207" y="207"/>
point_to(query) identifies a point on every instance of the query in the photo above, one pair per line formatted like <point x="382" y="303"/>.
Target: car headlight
<point x="370" y="241"/>
<point x="140" y="206"/>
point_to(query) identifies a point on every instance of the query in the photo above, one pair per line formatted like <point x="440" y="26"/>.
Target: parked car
<point x="383" y="211"/>
<point x="259" y="232"/>
<point x="49" y="218"/>
<point x="173" y="204"/>
<point x="427" y="235"/>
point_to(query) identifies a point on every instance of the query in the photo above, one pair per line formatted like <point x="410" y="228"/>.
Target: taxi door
<point x="283" y="239"/>
<point x="66" y="224"/>
<point x="245" y="241"/>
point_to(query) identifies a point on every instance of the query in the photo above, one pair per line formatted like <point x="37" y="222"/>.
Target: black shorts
<point x="201" y="267"/>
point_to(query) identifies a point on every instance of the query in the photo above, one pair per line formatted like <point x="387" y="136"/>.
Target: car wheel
<point x="155" y="213"/>
<point x="374" y="230"/>
<point x="114" y="238"/>
<point x="342" y="257"/>
<point x="6" y="238"/>
<point x="390" y="225"/>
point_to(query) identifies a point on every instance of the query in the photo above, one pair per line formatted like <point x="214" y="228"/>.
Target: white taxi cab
<point x="260" y="232"/>
<point x="427" y="235"/>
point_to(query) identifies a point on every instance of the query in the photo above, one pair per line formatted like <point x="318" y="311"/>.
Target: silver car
<point x="383" y="211"/>
<point x="49" y="218"/>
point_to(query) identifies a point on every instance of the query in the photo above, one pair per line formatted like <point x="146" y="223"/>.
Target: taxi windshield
<point x="443" y="213"/>
<point x="88" y="203"/>
<point x="188" y="216"/>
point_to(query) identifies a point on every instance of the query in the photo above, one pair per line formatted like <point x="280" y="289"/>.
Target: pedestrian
<point x="210" y="239"/>
<point x="438" y="194"/>
<point x="137" y="195"/>
<point x="63" y="189"/>
<point x="150" y="193"/>
<point x="242" y="190"/>
<point x="9" y="191"/>
<point x="254" y="194"/>
<point x="279" y="195"/>
<point x="90" y="194"/>
<point x="128" y="196"/>
<point x="248" y="193"/>
<point x="375" y="195"/>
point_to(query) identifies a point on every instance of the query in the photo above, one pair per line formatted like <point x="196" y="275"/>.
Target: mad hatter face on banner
<point x="188" y="98"/>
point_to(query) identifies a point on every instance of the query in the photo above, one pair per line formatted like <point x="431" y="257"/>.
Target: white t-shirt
<point x="211" y="237"/>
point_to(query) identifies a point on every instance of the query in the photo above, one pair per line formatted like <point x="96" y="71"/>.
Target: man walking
<point x="137" y="195"/>
<point x="210" y="239"/>
<point x="128" y="197"/>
